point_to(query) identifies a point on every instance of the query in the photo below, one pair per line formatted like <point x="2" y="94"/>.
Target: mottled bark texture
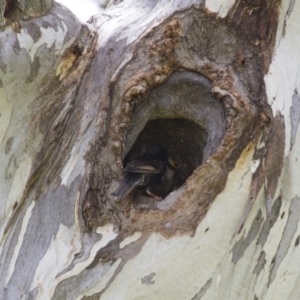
<point x="17" y="10"/>
<point x="78" y="101"/>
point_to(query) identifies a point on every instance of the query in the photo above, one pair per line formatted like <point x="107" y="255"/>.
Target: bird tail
<point x="123" y="190"/>
<point x="129" y="182"/>
<point x="126" y="186"/>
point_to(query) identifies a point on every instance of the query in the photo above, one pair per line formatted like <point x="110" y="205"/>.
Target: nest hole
<point x="185" y="141"/>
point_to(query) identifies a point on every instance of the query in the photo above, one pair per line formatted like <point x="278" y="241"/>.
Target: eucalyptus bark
<point x="216" y="83"/>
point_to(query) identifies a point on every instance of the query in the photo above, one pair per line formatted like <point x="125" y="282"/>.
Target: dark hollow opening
<point x="185" y="141"/>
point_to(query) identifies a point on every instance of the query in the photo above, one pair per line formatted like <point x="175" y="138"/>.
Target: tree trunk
<point x="216" y="83"/>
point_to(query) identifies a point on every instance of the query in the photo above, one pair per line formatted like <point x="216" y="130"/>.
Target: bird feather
<point x="137" y="166"/>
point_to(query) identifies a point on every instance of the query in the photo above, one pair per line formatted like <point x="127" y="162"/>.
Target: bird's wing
<point x="140" y="166"/>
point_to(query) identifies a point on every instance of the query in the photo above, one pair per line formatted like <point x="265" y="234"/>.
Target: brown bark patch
<point x="258" y="20"/>
<point x="271" y="159"/>
<point x="22" y="10"/>
<point x="68" y="60"/>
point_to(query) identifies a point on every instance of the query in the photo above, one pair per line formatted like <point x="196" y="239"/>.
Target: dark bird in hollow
<point x="145" y="171"/>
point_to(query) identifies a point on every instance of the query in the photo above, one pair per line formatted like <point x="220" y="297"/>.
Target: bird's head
<point x="159" y="152"/>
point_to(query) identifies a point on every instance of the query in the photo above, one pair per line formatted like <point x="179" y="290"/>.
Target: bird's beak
<point x="172" y="163"/>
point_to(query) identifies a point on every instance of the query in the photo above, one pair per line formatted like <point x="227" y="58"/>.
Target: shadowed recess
<point x="183" y="116"/>
<point x="185" y="141"/>
<point x="185" y="95"/>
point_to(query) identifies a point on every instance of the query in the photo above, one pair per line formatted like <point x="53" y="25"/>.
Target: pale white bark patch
<point x="238" y="280"/>
<point x="102" y="283"/>
<point x="76" y="163"/>
<point x="218" y="281"/>
<point x="220" y="7"/>
<point x="260" y="144"/>
<point x="137" y="13"/>
<point x="281" y="83"/>
<point x="18" y="185"/>
<point x="108" y="235"/>
<point x="5" y="113"/>
<point x="229" y="279"/>
<point x="291" y="178"/>
<point x="67" y="170"/>
<point x="283" y="77"/>
<point x="64" y="245"/>
<point x="190" y="261"/>
<point x="255" y="165"/>
<point x="20" y="242"/>
<point x="288" y="271"/>
<point x="130" y="239"/>
<point x="83" y="9"/>
<point x="127" y="58"/>
<point x="236" y="276"/>
<point x="169" y="201"/>
<point x="49" y="36"/>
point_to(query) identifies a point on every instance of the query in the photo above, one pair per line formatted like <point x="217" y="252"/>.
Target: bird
<point x="145" y="171"/>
